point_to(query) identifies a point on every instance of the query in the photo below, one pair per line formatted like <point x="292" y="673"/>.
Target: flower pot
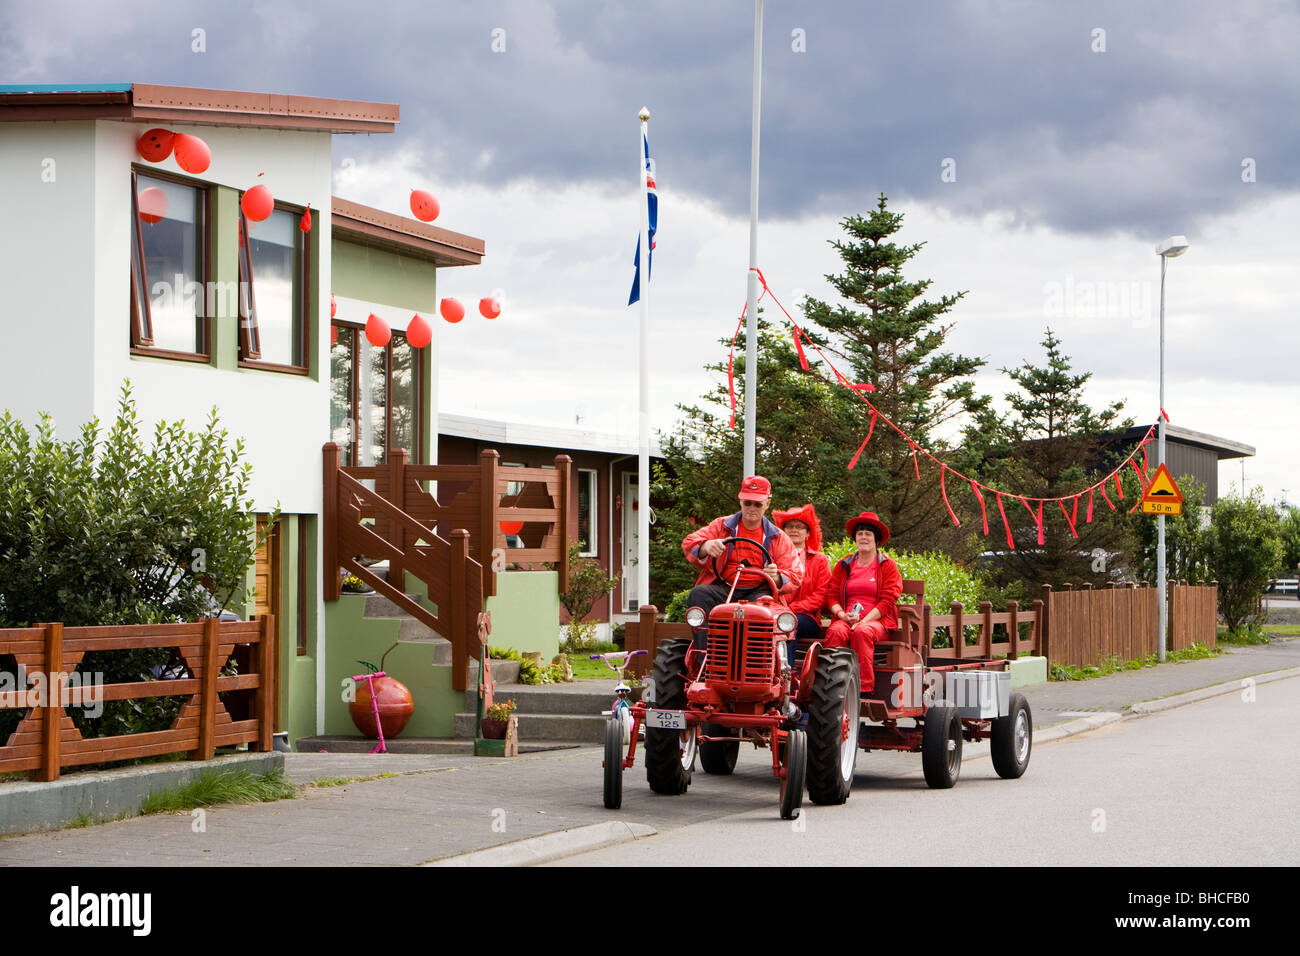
<point x="395" y="707"/>
<point x="494" y="729"/>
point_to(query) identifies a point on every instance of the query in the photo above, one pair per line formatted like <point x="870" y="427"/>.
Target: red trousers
<point x="862" y="639"/>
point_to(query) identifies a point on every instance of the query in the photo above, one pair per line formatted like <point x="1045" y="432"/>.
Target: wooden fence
<point x="46" y="739"/>
<point x="448" y="534"/>
<point x="1087" y="626"/>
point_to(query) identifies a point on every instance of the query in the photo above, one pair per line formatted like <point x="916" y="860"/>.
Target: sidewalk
<point x="440" y="806"/>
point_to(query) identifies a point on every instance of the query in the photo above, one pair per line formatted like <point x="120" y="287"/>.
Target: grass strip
<point x="228" y="786"/>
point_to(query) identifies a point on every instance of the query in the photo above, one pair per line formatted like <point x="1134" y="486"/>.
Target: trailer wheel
<point x="718" y="757"/>
<point x="613" y="764"/>
<point x="941" y="747"/>
<point x="833" y="708"/>
<point x="670" y="754"/>
<point x="1013" y="738"/>
<point x="796" y="767"/>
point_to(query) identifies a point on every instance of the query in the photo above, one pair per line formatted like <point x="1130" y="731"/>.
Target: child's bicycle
<point x="618" y="726"/>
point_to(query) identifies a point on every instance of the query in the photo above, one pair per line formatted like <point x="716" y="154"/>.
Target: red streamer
<point x="803" y="360"/>
<point x="870" y="428"/>
<point x="1011" y="542"/>
<point x="1119" y="489"/>
<point x="1074" y="514"/>
<point x="1068" y="520"/>
<point x="1102" y="486"/>
<point x="1038" y="518"/>
<point x="1142" y="478"/>
<point x="943" y="470"/>
<point x="983" y="511"/>
<point x="1089" y="521"/>
<point x="912" y="445"/>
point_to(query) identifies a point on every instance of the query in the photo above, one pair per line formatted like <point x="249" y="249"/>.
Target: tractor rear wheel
<point x="670" y="754"/>
<point x="1013" y="736"/>
<point x="796" y="767"/>
<point x="718" y="756"/>
<point x="613" y="763"/>
<point x="833" y="726"/>
<point x="941" y="746"/>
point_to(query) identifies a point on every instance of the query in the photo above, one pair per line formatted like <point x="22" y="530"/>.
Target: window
<point x="374" y="397"/>
<point x="587" y="523"/>
<point x="168" y="267"/>
<point x="273" y="304"/>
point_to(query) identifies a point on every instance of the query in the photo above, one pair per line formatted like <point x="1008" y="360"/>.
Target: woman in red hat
<point x="805" y="533"/>
<point x="863" y="594"/>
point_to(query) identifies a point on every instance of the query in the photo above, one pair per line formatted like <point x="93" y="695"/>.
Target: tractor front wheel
<point x="613" y="763"/>
<point x="941" y="747"/>
<point x="718" y="757"/>
<point x="796" y="767"/>
<point x="833" y="726"/>
<point x="670" y="754"/>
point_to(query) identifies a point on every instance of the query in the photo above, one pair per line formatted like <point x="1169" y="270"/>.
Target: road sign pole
<point x="1161" y="596"/>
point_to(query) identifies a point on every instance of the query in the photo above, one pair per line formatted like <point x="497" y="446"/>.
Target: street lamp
<point x="1170" y="248"/>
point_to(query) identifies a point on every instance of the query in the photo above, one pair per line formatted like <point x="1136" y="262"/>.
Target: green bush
<point x="587" y="585"/>
<point x="104" y="530"/>
<point x="945" y="582"/>
<point x="677" y="607"/>
<point x="1244" y="544"/>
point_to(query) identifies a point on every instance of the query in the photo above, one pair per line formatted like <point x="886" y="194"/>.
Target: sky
<point x="1039" y="151"/>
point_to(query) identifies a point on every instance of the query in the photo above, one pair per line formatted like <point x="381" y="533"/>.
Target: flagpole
<point x="643" y="438"/>
<point x="751" y="298"/>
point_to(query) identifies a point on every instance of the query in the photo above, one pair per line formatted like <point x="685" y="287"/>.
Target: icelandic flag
<point x="653" y="202"/>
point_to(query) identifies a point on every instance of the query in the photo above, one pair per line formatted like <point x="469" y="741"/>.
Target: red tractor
<point x="739" y="687"/>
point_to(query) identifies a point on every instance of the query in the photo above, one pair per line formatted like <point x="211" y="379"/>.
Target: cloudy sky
<point x="1074" y="139"/>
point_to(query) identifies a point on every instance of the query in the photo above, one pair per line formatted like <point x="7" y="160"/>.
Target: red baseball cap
<point x="755" y="486"/>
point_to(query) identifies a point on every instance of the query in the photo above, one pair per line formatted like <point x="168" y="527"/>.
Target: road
<point x="1211" y="783"/>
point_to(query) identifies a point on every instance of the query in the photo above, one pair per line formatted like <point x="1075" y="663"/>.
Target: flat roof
<point x="365" y="226"/>
<point x="540" y="436"/>
<point x="1222" y="447"/>
<point x="39" y="102"/>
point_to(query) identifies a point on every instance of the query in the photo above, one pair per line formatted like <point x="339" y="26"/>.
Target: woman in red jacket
<point x="863" y="594"/>
<point x="805" y="533"/>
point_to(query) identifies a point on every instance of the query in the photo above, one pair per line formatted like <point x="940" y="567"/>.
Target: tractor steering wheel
<point x="767" y="559"/>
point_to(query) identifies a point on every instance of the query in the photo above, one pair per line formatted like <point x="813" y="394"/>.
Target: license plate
<point x="665" y="719"/>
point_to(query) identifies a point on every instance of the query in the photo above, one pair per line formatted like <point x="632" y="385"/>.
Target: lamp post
<point x="1172" y="247"/>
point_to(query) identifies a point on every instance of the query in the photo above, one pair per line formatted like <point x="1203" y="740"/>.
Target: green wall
<point x="526" y="612"/>
<point x="373" y="275"/>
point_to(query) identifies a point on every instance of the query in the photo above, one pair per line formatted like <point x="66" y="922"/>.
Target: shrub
<point x="676" y="610"/>
<point x="945" y="582"/>
<point x="587" y="585"/>
<point x="1244" y="545"/>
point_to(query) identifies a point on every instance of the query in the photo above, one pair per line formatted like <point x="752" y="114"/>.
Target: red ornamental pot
<point x="494" y="729"/>
<point x="395" y="707"/>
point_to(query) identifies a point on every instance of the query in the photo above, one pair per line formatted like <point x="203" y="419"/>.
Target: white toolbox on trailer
<point x="978" y="694"/>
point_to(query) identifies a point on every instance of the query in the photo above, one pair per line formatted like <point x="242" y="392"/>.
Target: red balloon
<point x="192" y="154"/>
<point x="419" y="333"/>
<point x="258" y="203"/>
<point x="155" y="145"/>
<point x="334" y="306"/>
<point x="451" y="310"/>
<point x="511" y="527"/>
<point x="423" y="206"/>
<point x="489" y="308"/>
<point x="377" y="331"/>
<point x="153" y="204"/>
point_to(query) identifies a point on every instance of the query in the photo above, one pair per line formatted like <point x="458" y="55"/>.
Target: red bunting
<point x="914" y="464"/>
<point x="1142" y="478"/>
<point x="803" y="360"/>
<point x="1164" y="413"/>
<point x="1068" y="520"/>
<point x="983" y="511"/>
<point x="1011" y="542"/>
<point x="1102" y="487"/>
<point x="1119" y="488"/>
<point x="1089" y="521"/>
<point x="943" y="470"/>
<point x="304" y="224"/>
<point x="870" y="428"/>
<point x="1038" y="519"/>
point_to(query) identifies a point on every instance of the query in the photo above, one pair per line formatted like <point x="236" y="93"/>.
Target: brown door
<point x="266" y="596"/>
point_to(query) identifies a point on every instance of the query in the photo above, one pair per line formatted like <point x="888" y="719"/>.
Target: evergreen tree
<point x="1052" y="445"/>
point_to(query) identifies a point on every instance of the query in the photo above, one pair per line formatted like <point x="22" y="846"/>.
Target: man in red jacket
<point x="701" y="547"/>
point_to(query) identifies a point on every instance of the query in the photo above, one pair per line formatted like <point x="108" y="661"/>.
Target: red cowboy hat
<point x="808" y="516"/>
<point x="872" y="520"/>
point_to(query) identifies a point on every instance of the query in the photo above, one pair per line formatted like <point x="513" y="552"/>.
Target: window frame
<point x="417" y="454"/>
<point x="593" y="511"/>
<point x="250" y="351"/>
<point x="141" y="337"/>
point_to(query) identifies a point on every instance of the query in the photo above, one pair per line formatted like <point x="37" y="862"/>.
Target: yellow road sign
<point x="1162" y="496"/>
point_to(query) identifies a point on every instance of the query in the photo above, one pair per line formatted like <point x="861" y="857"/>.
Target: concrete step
<point x="340" y="744"/>
<point x="579" y="698"/>
<point x="574" y="728"/>
<point x="503" y="672"/>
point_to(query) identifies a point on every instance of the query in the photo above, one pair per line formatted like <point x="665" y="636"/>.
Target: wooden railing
<point x="1086" y="626"/>
<point x="448" y="534"/>
<point x="46" y="740"/>
<point x="1009" y="633"/>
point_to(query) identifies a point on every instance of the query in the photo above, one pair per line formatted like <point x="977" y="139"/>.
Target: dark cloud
<point x="1147" y="136"/>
